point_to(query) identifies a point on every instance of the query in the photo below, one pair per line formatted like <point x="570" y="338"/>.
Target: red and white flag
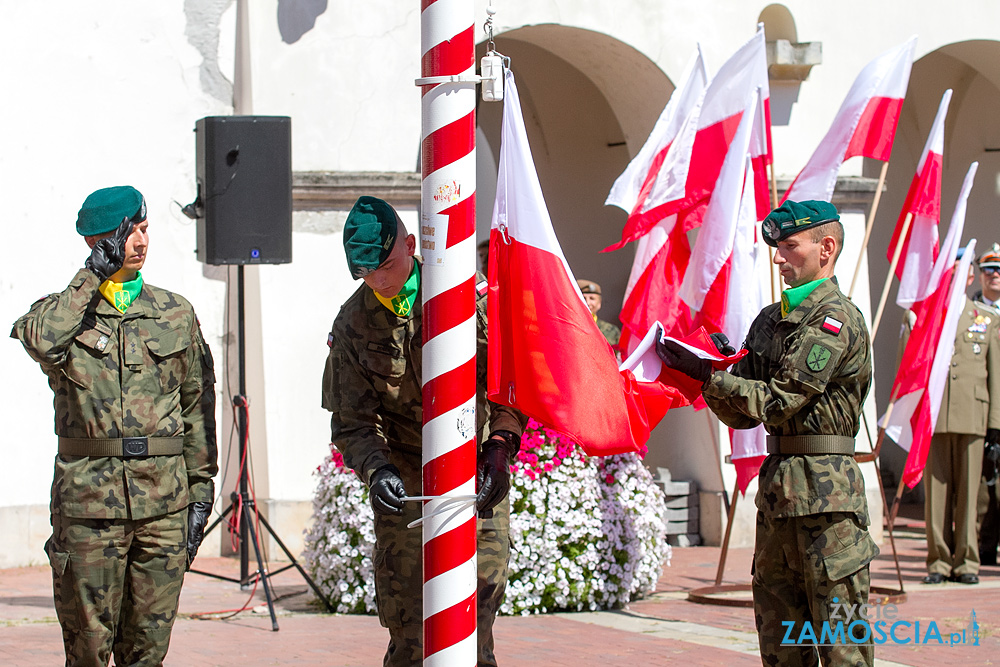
<point x="694" y="159"/>
<point x="923" y="204"/>
<point x="925" y="364"/>
<point x="661" y="258"/>
<point x="727" y="245"/>
<point x="865" y="124"/>
<point x="547" y="357"/>
<point x="628" y="189"/>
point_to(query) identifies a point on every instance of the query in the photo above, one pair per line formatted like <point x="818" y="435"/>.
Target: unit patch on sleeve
<point x="832" y="325"/>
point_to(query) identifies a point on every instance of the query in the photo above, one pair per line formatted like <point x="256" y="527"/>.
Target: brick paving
<point x="661" y="629"/>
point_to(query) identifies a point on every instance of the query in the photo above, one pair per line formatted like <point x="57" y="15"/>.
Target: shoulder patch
<point x="329" y="339"/>
<point x="818" y="357"/>
<point x="832" y="325"/>
<point x="481" y="287"/>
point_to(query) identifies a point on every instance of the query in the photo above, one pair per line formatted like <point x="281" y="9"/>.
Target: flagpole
<point x="775" y="289"/>
<point x="873" y="457"/>
<point x="892" y="270"/>
<point x="447" y="229"/>
<point x="729" y="531"/>
<point x="868" y="228"/>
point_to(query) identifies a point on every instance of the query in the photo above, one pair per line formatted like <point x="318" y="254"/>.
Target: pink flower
<point x="609" y="478"/>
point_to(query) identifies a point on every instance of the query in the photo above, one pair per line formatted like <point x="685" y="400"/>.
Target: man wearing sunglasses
<point x="988" y="507"/>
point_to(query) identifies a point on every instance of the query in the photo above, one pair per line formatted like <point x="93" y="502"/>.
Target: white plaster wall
<point x="95" y="94"/>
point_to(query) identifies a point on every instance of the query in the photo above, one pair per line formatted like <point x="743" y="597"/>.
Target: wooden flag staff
<point x="868" y="227"/>
<point x="892" y="271"/>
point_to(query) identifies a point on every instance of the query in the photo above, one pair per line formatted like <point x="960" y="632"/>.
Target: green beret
<point x="793" y="217"/>
<point x="369" y="234"/>
<point x="105" y="209"/>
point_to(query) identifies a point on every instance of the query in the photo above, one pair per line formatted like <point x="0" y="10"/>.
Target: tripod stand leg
<point x="261" y="574"/>
<point x="305" y="575"/>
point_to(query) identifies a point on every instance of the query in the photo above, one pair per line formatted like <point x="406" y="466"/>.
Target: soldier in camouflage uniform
<point x="805" y="377"/>
<point x="135" y="417"/>
<point x="372" y="386"/>
<point x="592" y="295"/>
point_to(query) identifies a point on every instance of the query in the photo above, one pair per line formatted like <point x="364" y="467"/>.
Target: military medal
<point x="976" y="348"/>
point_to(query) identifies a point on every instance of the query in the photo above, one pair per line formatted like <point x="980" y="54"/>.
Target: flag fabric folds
<point x="547" y="357"/>
<point x="925" y="364"/>
<point x="923" y="207"/>
<point x="865" y="125"/>
<point x="691" y="166"/>
<point x="628" y="189"/>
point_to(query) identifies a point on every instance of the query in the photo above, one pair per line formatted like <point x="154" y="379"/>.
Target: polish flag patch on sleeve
<point x="832" y="325"/>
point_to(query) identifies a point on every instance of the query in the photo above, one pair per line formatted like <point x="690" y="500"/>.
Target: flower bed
<point x="588" y="533"/>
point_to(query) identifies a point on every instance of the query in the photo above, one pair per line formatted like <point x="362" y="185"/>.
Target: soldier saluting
<point x="135" y="415"/>
<point x="805" y="377"/>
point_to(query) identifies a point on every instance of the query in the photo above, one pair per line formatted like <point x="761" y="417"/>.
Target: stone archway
<point x="589" y="102"/>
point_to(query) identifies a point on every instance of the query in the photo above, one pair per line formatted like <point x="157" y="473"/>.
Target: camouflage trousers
<point x="398" y="561"/>
<point x="804" y="568"/>
<point x="116" y="584"/>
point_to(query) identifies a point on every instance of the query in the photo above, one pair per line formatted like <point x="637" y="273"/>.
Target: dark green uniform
<point x="805" y="375"/>
<point x="118" y="546"/>
<point x="372" y="386"/>
<point x="955" y="460"/>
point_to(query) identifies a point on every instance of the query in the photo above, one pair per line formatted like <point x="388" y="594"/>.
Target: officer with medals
<point x="134" y="403"/>
<point x="989" y="508"/>
<point x="954" y="462"/>
<point x="372" y="385"/>
<point x="805" y="377"/>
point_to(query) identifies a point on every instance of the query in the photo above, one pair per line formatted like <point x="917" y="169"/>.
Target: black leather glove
<point x="991" y="457"/>
<point x="681" y="359"/>
<point x="108" y="254"/>
<point x="493" y="471"/>
<point x="386" y="491"/>
<point x="722" y="344"/>
<point x="197" y="518"/>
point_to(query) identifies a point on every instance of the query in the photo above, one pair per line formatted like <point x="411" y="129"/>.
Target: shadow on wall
<point x="297" y="17"/>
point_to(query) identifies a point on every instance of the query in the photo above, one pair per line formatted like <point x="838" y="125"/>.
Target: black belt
<point x="810" y="444"/>
<point x="126" y="448"/>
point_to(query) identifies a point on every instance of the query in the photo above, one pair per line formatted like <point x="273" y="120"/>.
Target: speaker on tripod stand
<point x="244" y="216"/>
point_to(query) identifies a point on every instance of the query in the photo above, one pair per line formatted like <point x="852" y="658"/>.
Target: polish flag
<point x="661" y="257"/>
<point x="632" y="186"/>
<point x="694" y="159"/>
<point x="923" y="204"/>
<point x="925" y="364"/>
<point x="865" y="124"/>
<point x="727" y="245"/>
<point x="547" y="357"/>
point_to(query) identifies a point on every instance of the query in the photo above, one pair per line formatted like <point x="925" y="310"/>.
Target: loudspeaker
<point x="244" y="171"/>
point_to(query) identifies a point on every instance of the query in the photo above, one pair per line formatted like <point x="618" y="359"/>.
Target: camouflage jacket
<point x="805" y="374"/>
<point x="611" y="333"/>
<point x="372" y="386"/>
<point x="148" y="372"/>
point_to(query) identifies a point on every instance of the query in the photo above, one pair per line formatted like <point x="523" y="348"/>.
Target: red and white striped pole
<point x="447" y="240"/>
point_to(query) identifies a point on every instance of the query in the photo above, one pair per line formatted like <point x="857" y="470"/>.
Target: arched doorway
<point x="589" y="102"/>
